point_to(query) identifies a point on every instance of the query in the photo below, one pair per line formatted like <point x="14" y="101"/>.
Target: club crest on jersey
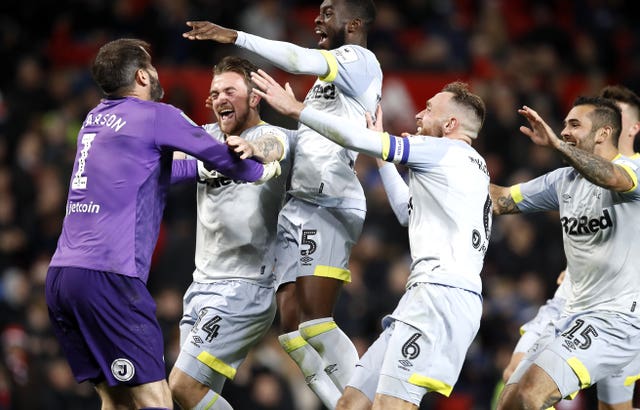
<point x="122" y="369"/>
<point x="582" y="225"/>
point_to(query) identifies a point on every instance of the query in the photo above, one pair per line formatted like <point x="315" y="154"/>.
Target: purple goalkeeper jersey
<point x="120" y="179"/>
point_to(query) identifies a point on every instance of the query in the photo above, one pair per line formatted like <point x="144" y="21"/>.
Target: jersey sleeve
<point x="176" y="131"/>
<point x="280" y="135"/>
<point x="397" y="191"/>
<point x="183" y="170"/>
<point x="352" y="69"/>
<point x="289" y="57"/>
<point x="632" y="168"/>
<point x="539" y="194"/>
<point x="355" y="137"/>
<point x="416" y="152"/>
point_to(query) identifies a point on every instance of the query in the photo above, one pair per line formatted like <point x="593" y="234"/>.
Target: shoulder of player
<point x="265" y="128"/>
<point x="354" y="52"/>
<point x="212" y="127"/>
<point x="169" y="111"/>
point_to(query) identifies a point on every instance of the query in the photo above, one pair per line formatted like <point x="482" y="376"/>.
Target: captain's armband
<point x="395" y="149"/>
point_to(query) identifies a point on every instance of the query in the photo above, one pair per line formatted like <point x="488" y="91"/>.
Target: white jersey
<point x="237" y="221"/>
<point x="322" y="171"/>
<point x="600" y="234"/>
<point x="449" y="212"/>
<point x="449" y="209"/>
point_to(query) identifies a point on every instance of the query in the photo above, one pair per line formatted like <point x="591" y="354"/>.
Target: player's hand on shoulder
<point x="243" y="148"/>
<point x="206" y="30"/>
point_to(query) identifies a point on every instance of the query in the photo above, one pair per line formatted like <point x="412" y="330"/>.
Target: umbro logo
<point x="309" y="378"/>
<point x="197" y="340"/>
<point x="332" y="368"/>
<point x="566" y="197"/>
<point x="306" y="260"/>
<point x="405" y="363"/>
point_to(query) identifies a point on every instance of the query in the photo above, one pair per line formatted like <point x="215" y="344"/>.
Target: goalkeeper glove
<point x="271" y="170"/>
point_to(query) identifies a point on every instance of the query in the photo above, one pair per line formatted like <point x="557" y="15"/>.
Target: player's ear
<point x="450" y="124"/>
<point x="354" y="25"/>
<point x="603" y="133"/>
<point x="142" y="76"/>
<point x="254" y="99"/>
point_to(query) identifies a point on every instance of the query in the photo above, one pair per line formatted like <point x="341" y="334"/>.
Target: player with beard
<point x="597" y="332"/>
<point x="231" y="303"/>
<point x="324" y="216"/>
<point x="425" y="339"/>
<point x="614" y="392"/>
<point x="99" y="306"/>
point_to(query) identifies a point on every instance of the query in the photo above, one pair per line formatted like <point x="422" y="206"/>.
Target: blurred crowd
<point x="513" y="52"/>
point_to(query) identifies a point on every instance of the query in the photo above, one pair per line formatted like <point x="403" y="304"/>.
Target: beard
<point x="156" y="89"/>
<point x="338" y="39"/>
<point x="239" y="122"/>
<point x="432" y="130"/>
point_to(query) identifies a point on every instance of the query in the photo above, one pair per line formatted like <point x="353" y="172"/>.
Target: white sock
<point x="334" y="346"/>
<point x="312" y="366"/>
<point x="213" y="401"/>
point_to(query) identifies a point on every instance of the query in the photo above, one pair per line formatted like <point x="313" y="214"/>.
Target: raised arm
<point x="503" y="202"/>
<point x="345" y="133"/>
<point x="287" y="56"/>
<point x="596" y="169"/>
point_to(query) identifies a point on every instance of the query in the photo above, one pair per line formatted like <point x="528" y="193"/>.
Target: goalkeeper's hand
<point x="271" y="170"/>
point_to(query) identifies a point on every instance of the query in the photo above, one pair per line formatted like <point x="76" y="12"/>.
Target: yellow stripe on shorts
<point x="581" y="371"/>
<point x="331" y="272"/>
<point x="431" y="384"/>
<point x="333" y="66"/>
<point x="314" y="330"/>
<point x="631" y="380"/>
<point x="217" y="365"/>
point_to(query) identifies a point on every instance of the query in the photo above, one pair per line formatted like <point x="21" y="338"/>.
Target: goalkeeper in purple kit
<point x="100" y="308"/>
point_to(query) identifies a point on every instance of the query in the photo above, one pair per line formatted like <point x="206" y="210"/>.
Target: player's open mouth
<point x="323" y="36"/>
<point x="225" y="114"/>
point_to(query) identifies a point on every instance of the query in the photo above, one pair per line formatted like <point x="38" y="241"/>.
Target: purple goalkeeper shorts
<point x="106" y="325"/>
